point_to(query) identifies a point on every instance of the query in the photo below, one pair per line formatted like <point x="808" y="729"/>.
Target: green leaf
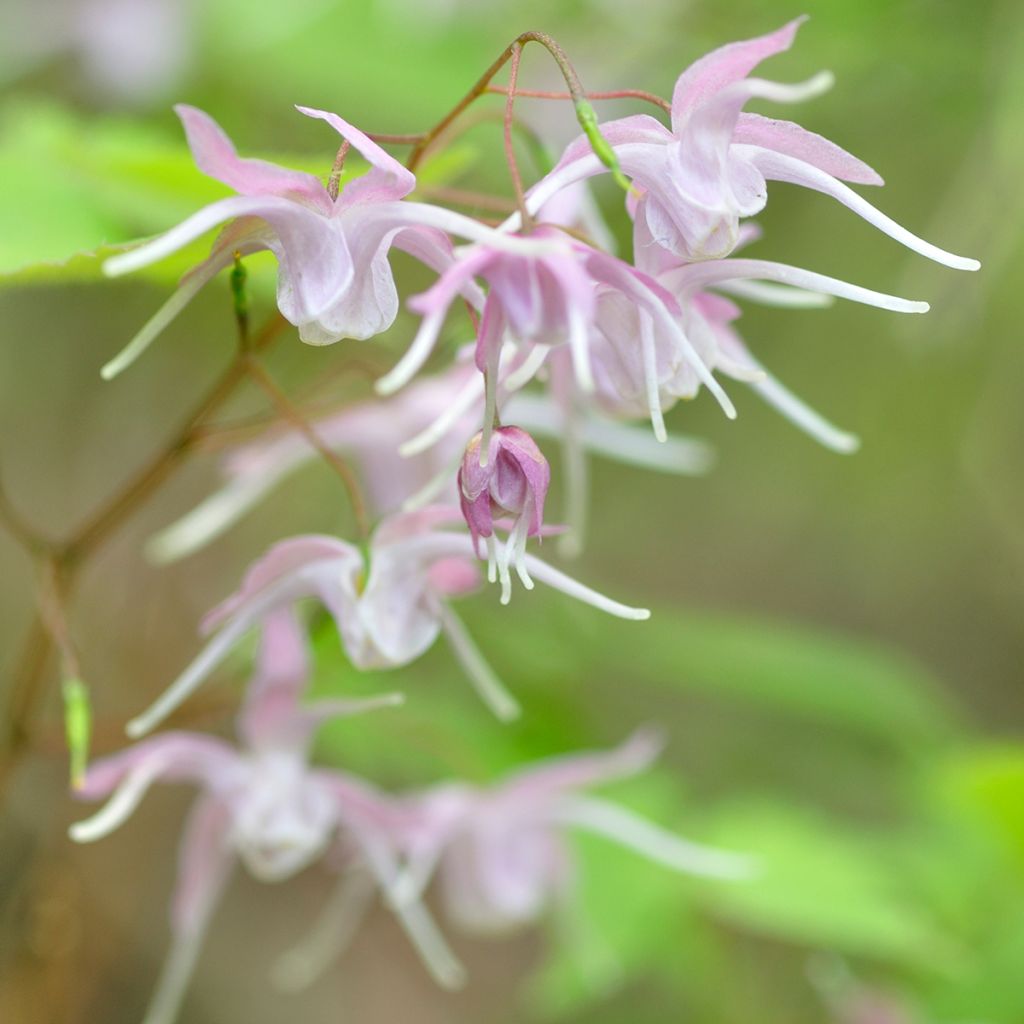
<point x="823" y="885"/>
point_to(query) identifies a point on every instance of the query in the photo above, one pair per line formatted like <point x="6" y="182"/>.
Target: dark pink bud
<point x="513" y="484"/>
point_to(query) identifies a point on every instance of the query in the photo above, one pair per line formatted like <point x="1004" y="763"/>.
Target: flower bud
<point x="512" y="482"/>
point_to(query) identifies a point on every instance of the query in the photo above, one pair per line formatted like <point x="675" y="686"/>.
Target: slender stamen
<point x="651" y="376"/>
<point x="487" y="684"/>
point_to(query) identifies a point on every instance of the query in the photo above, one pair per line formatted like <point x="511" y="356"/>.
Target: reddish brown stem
<point x="615" y="94"/>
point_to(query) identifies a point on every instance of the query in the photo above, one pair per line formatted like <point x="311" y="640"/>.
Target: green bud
<point x="77" y="726"/>
<point x="587" y="117"/>
<point x="238" y="291"/>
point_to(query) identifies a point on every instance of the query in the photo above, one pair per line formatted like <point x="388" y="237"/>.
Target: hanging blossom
<point x="261" y="803"/>
<point x="389" y="604"/>
<point x="508" y="478"/>
<point x="542" y="299"/>
<point x="501" y="853"/>
<point x="334" y="279"/>
<point x="710" y="170"/>
<point x="637" y="363"/>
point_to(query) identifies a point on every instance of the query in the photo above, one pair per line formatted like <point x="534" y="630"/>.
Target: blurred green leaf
<point x="823" y="885"/>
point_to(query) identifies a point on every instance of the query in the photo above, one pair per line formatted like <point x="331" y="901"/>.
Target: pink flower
<point x="334" y="279"/>
<point x="510" y="479"/>
<point x="263" y="804"/>
<point x="649" y="377"/>
<point x="543" y="299"/>
<point x="710" y="170"/>
<point x="390" y="603"/>
<point x="501" y="853"/>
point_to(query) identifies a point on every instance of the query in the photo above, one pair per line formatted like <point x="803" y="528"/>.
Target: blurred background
<point x="836" y="646"/>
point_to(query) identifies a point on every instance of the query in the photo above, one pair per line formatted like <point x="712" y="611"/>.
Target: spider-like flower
<point x="542" y="299"/>
<point x="334" y="279"/>
<point x="261" y="803"/>
<point x="699" y="178"/>
<point x="389" y="602"/>
<point x="639" y="368"/>
<point x="501" y="853"/>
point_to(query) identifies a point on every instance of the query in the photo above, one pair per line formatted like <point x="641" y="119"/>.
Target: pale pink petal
<point x="728" y="64"/>
<point x="386" y="180"/>
<point x="215" y="156"/>
<point x="558" y="775"/>
<point x="282" y="672"/>
<point x="282" y="560"/>
<point x="789" y="138"/>
<point x="203" y="862"/>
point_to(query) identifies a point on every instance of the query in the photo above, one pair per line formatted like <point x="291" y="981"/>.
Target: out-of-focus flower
<point x="389" y="603"/>
<point x="510" y="479"/>
<point x="543" y="299"/>
<point x="710" y="170"/>
<point x="334" y="279"/>
<point x="500" y="852"/>
<point x="263" y="803"/>
<point x="407" y="448"/>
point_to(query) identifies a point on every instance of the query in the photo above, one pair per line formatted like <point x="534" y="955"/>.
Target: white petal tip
<point x="639" y="614"/>
<point x="848" y="444"/>
<point x="110" y="370"/>
<point x="968" y="264"/>
<point x="80" y="832"/>
<point x="387" y="385"/>
<point x="918" y="307"/>
<point x="508" y="712"/>
<point x="136" y="728"/>
<point x="660" y="434"/>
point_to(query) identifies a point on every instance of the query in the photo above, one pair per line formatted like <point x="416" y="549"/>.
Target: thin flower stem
<point x="61" y="561"/>
<point x="615" y="94"/>
<point x="572" y="81"/>
<point x="525" y="218"/>
<point x="331" y="457"/>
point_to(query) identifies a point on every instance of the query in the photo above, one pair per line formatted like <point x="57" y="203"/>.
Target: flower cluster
<point x="568" y="341"/>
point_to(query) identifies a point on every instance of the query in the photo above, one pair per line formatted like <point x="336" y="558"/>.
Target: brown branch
<point x="614" y="94"/>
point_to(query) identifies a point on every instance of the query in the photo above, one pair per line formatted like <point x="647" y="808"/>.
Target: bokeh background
<point x="837" y="645"/>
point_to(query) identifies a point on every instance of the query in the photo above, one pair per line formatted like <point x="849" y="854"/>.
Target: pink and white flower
<point x="700" y="177"/>
<point x="542" y="299"/>
<point x="262" y="803"/>
<point x="334" y="279"/>
<point x="390" y="603"/>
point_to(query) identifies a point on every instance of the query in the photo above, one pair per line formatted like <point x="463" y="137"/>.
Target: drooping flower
<point x="710" y="170"/>
<point x="510" y="479"/>
<point x="389" y="604"/>
<point x="334" y="279"/>
<point x="634" y="379"/>
<point x="542" y="299"/>
<point x="501" y="853"/>
<point x="262" y="803"/>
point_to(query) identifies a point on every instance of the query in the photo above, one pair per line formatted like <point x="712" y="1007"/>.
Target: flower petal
<point x="720" y="68"/>
<point x="215" y="155"/>
<point x="386" y="180"/>
<point x="789" y="138"/>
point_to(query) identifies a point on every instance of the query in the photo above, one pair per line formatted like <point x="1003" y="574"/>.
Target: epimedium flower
<point x="700" y="177"/>
<point x="261" y="803"/>
<point x="389" y="602"/>
<point x="649" y="377"/>
<point x="501" y="852"/>
<point x="543" y="298"/>
<point x="334" y="278"/>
